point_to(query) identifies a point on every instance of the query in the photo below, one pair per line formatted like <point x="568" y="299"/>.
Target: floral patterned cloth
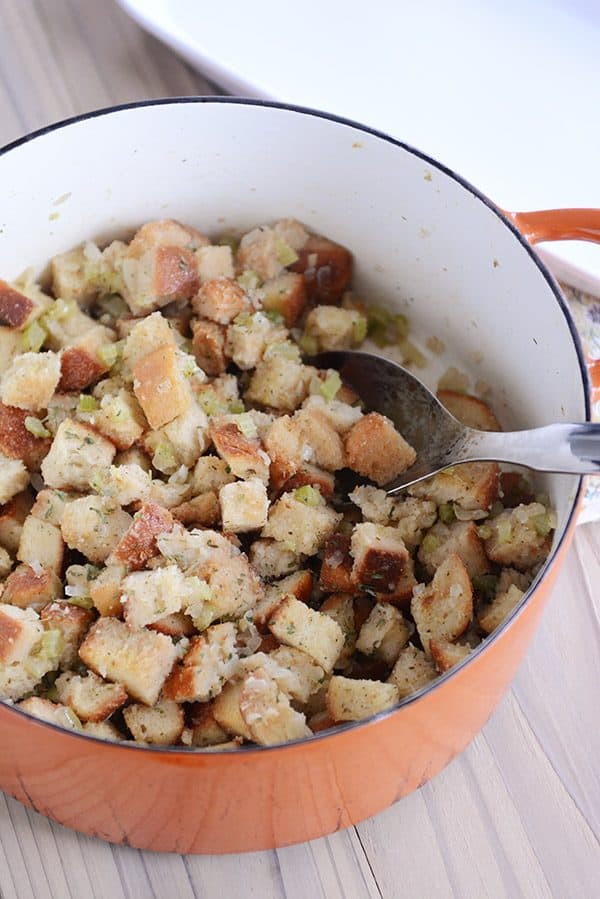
<point x="585" y="309"/>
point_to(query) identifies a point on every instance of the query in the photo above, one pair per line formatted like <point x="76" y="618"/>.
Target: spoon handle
<point x="564" y="448"/>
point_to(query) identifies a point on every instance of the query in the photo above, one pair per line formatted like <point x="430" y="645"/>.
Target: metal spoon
<point x="441" y="441"/>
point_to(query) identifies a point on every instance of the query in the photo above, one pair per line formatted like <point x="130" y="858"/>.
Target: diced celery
<point x="308" y="495"/>
<point x="84" y="602"/>
<point x="164" y="458"/>
<point x="430" y="543"/>
<point x="485" y="531"/>
<point x="87" y="403"/>
<point x="359" y="330"/>
<point x="245" y="423"/>
<point x="33" y="337"/>
<point x="243" y="320"/>
<point x="211" y="403"/>
<point x="411" y="354"/>
<point x="274" y="316"/>
<point x="51" y="645"/>
<point x="236" y="407"/>
<point x="36" y="427"/>
<point x="61" y="309"/>
<point x="309" y="344"/>
<point x="330" y="386"/>
<point x="401" y="326"/>
<point x="200" y="589"/>
<point x="285" y="254"/>
<point x="72" y="718"/>
<point x="542" y="524"/>
<point x="446" y="513"/>
<point x="284" y="348"/>
<point x="249" y="280"/>
<point x="504" y="530"/>
<point x="110" y="353"/>
<point x="485" y="584"/>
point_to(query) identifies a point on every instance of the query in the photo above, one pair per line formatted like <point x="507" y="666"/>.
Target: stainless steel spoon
<point x="441" y="441"/>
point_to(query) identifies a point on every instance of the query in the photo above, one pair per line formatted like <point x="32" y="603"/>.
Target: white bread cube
<point x="492" y="615"/>
<point x="340" y="607"/>
<point x="350" y="699"/>
<point x="52" y="712"/>
<point x="243" y="454"/>
<point x="321" y="444"/>
<point x="104" y="730"/>
<point x="384" y="633"/>
<point x="208" y="346"/>
<point x="30" y="381"/>
<point x="334" y="328"/>
<point x="220" y="300"/>
<point x="515" y="540"/>
<point x="123" y="483"/>
<point x="105" y="590"/>
<point x="267" y="712"/>
<point x="20" y="305"/>
<point x="244" y="506"/>
<point x="470" y="410"/>
<point x="160" y="386"/>
<point x="49" y="505"/>
<point x="90" y="697"/>
<point x="374" y="504"/>
<point x="298" y="584"/>
<point x="304" y="676"/>
<point x="210" y="474"/>
<point x="12" y="516"/>
<point x="208" y="664"/>
<point x="226" y="711"/>
<point x="291" y="232"/>
<point x="73" y="623"/>
<point x="380" y="556"/>
<point x="285" y="294"/>
<point x="296" y="624"/>
<point x="459" y="537"/>
<point x="249" y="336"/>
<point x="141" y="660"/>
<point x="77" y="452"/>
<point x="302" y="528"/>
<point x="443" y="610"/>
<point x="376" y="450"/>
<point x="70" y="277"/>
<point x="260" y="251"/>
<point x="205" y="729"/>
<point x="200" y="511"/>
<point x="120" y="418"/>
<point x="413" y="516"/>
<point x="80" y="362"/>
<point x="20" y="631"/>
<point x="17" y="442"/>
<point x="279" y="383"/>
<point x="161" y="725"/>
<point x="446" y="655"/>
<point x="94" y="525"/>
<point x="340" y="415"/>
<point x="139" y="543"/>
<point x="26" y="587"/>
<point x="42" y="544"/>
<point x="413" y="671"/>
<point x="147" y="334"/>
<point x="147" y="596"/>
<point x="14" y="478"/>
<point x="472" y="486"/>
<point x="10" y="346"/>
<point x="5" y="562"/>
<point x="186" y="438"/>
<point x="214" y="262"/>
<point x="272" y="559"/>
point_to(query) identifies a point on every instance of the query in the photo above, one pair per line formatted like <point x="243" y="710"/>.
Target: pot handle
<point x="563" y="224"/>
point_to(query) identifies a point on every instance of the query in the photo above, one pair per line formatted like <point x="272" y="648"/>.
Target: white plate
<point x="505" y="94"/>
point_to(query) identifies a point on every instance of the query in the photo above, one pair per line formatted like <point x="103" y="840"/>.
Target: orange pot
<point x="410" y="221"/>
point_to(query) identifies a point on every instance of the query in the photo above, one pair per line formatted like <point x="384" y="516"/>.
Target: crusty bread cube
<point x="279" y="382"/>
<point x="340" y="607"/>
<point x="336" y="568"/>
<point x="470" y="410"/>
<point x="384" y="633"/>
<point x="14" y="478"/>
<point x="443" y="610"/>
<point x="319" y="440"/>
<point x="77" y="452"/>
<point x="267" y="711"/>
<point x="327" y="268"/>
<point x="174" y="625"/>
<point x="50" y="504"/>
<point x="260" y="251"/>
<point x="472" y="486"/>
<point x="66" y="323"/>
<point x="18" y="309"/>
<point x="30" y="381"/>
<point x="17" y="442"/>
<point x="138" y="543"/>
<point x="210" y="474"/>
<point x="249" y="336"/>
<point x="403" y="591"/>
<point x="374" y="504"/>
<point x="120" y="418"/>
<point x="298" y="674"/>
<point x="12" y="517"/>
<point x="73" y="622"/>
<point x="303" y="528"/>
<point x="380" y="556"/>
<point x="520" y="537"/>
<point x="25" y="656"/>
<point x="459" y="537"/>
<point x="298" y="584"/>
<point x="375" y="449"/>
<point x="214" y="262"/>
<point x="291" y="232"/>
<point x="205" y="729"/>
<point x="285" y="294"/>
<point x="244" y="506"/>
<point x="226" y="711"/>
<point x="147" y="596"/>
<point x="104" y="730"/>
<point x="20" y="631"/>
<point x="42" y="544"/>
<point x="202" y="511"/>
<point x="52" y="712"/>
<point x="208" y="346"/>
<point x="220" y="300"/>
<point x="160" y="386"/>
<point x="492" y="615"/>
<point x="334" y="328"/>
<point x="105" y="590"/>
<point x="412" y="516"/>
<point x="123" y="483"/>
<point x="243" y="455"/>
<point x="94" y="525"/>
<point x="139" y="659"/>
<point x="446" y="655"/>
<point x="297" y="625"/>
<point x="510" y="577"/>
<point x="351" y="699"/>
<point x="161" y="725"/>
<point x="272" y="559"/>
<point x="186" y="437"/>
<point x="5" y="564"/>
<point x="284" y="443"/>
<point x="146" y="334"/>
<point x="70" y="279"/>
<point x="209" y="662"/>
<point x="340" y="414"/>
<point x="306" y="476"/>
<point x="10" y="345"/>
<point x="90" y="697"/>
<point x="134" y="456"/>
<point x="80" y="363"/>
<point x="413" y="671"/>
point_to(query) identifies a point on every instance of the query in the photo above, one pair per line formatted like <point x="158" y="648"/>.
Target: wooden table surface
<point x="518" y="814"/>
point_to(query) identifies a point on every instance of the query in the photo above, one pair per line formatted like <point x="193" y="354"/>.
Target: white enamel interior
<point x="422" y="240"/>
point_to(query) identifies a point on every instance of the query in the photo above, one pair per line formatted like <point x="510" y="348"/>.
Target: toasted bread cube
<point x="443" y="610"/>
<point x="186" y="437"/>
<point x="244" y="506"/>
<point x="303" y="528"/>
<point x="120" y="418"/>
<point x="459" y="537"/>
<point x="272" y="559"/>
<point x="374" y="504"/>
<point x="403" y="591"/>
<point x="267" y="711"/>
<point x="298" y="584"/>
<point x="243" y="455"/>
<point x="279" y="383"/>
<point x="205" y="729"/>
<point x="520" y="537"/>
<point x="42" y="544"/>
<point x="285" y="294"/>
<point x="90" y="697"/>
<point x="156" y="271"/>
<point x="210" y="474"/>
<point x="226" y="711"/>
<point x="510" y="577"/>
<point x="286" y="448"/>
<point x="174" y="625"/>
<point x="14" y="478"/>
<point x="334" y="328"/>
<point x="18" y="309"/>
<point x="169" y="233"/>
<point x="384" y="633"/>
<point x="138" y="544"/>
<point x="105" y="590"/>
<point x="161" y="725"/>
<point x="52" y="712"/>
<point x="469" y="410"/>
<point x="73" y="622"/>
<point x="10" y="345"/>
<point x="380" y="556"/>
<point x="208" y="346"/>
<point x="5" y="564"/>
<point x="123" y="483"/>
<point x="160" y="386"/>
<point x="94" y="525"/>
<point x="492" y="615"/>
<point x="446" y="655"/>
<point x="351" y="699"/>
<point x="340" y="414"/>
<point x="472" y="486"/>
<point x="214" y="262"/>
<point x="49" y="505"/>
<point x="104" y="730"/>
<point x="147" y="596"/>
<point x="80" y="363"/>
<point x="413" y="671"/>
<point x="12" y="518"/>
<point x="220" y="300"/>
<point x="17" y="442"/>
<point x="340" y="607"/>
<point x="209" y="662"/>
<point x="147" y="334"/>
<point x="30" y="381"/>
<point x="307" y="476"/>
<point x="297" y="625"/>
<point x="20" y="631"/>
<point x="77" y="452"/>
<point x="70" y="277"/>
<point x="134" y="456"/>
<point x="515" y="489"/>
<point x="61" y="407"/>
<point x="141" y="660"/>
<point x="319" y="440"/>
<point x="375" y="449"/>
<point x="302" y="678"/>
<point x="413" y="516"/>
<point x="202" y="510"/>
<point x="262" y="251"/>
<point x="336" y="568"/>
<point x="327" y="268"/>
<point x="248" y="337"/>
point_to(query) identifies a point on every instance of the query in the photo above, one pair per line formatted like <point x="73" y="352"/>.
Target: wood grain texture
<point x="518" y="814"/>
